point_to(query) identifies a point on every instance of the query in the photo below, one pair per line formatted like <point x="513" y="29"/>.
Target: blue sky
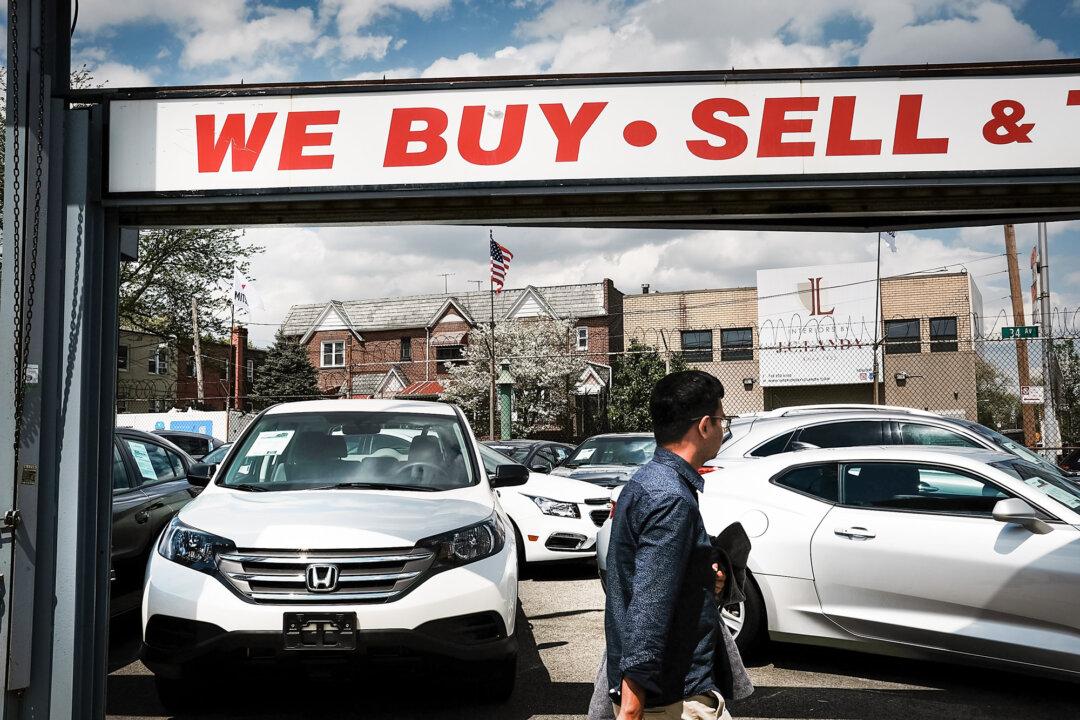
<point x="165" y="42"/>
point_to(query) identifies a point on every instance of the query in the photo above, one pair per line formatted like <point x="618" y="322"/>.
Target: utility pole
<point x="877" y="324"/>
<point x="197" y="352"/>
<point x="1027" y="412"/>
<point x="1051" y="430"/>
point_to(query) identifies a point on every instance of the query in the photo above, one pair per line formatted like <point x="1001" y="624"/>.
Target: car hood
<point x="337" y="519"/>
<point x="604" y="475"/>
<point x="559" y="488"/>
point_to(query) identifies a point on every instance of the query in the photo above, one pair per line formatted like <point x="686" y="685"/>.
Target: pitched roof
<point x="424" y="388"/>
<point x="415" y="311"/>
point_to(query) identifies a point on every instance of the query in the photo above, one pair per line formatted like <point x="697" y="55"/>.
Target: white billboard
<point x="364" y="137"/>
<point x="816" y="324"/>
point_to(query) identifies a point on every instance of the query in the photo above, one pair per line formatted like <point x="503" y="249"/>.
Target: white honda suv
<point x="339" y="529"/>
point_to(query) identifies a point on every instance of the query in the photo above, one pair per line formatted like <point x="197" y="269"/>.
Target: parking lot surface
<point x="561" y="640"/>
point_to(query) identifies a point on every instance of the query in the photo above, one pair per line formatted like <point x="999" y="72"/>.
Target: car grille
<point x="364" y="576"/>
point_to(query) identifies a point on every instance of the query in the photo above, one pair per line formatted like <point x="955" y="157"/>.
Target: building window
<point x="583" y="338"/>
<point x="122" y="358"/>
<point x="737" y="344"/>
<point x="943" y="335"/>
<point x="901" y="337"/>
<point x="250" y="368"/>
<point x="406" y="349"/>
<point x="697" y="345"/>
<point x="159" y="362"/>
<point x="453" y="354"/>
<point x="333" y="354"/>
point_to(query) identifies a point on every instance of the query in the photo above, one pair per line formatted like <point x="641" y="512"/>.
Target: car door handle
<point x="855" y="533"/>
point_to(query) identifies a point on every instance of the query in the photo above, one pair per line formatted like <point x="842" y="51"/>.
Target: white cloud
<point x="114" y="74"/>
<point x="273" y="30"/>
<point x="352" y="15"/>
<point x="389" y="74"/>
<point x="356" y="47"/>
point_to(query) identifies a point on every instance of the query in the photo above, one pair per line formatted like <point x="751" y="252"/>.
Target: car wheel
<point x="745" y="620"/>
<point x="494" y="680"/>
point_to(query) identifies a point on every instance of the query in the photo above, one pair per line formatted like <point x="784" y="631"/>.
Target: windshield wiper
<point x="373" y="486"/>
<point x="249" y="487"/>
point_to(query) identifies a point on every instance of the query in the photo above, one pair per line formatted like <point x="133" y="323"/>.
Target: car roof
<point x="638" y="436"/>
<point x="419" y="407"/>
<point x="781" y="423"/>
<point x="140" y="434"/>
<point x="183" y="433"/>
<point x="898" y="453"/>
<point x="513" y="443"/>
<point x="801" y="410"/>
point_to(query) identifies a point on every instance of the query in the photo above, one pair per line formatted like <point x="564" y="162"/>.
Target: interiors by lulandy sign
<point x="816" y="324"/>
<point x="535" y="134"/>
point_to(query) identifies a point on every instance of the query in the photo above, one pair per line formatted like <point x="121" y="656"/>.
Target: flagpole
<point x="491" y="388"/>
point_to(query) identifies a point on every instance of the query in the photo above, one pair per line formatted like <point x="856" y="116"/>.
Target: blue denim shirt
<point x="661" y="621"/>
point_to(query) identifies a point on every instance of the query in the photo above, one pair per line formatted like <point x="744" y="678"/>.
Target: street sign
<point x="1032" y="394"/>
<point x="1021" y="332"/>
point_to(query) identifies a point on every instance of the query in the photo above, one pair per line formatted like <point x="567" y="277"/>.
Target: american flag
<point x="500" y="263"/>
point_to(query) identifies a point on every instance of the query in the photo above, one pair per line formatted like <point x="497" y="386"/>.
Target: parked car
<point x="961" y="554"/>
<point x="555" y="518"/>
<point x="827" y="426"/>
<point x="539" y="455"/>
<point x="149" y="481"/>
<point x="197" y="445"/>
<point x="218" y="455"/>
<point x="608" y="460"/>
<point x="319" y="539"/>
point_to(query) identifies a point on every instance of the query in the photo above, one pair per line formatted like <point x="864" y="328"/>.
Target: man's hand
<point x="720" y="578"/>
<point x="633" y="701"/>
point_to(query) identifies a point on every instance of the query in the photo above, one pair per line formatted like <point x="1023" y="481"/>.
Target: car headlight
<point x="194" y="548"/>
<point x="466" y="545"/>
<point x="555" y="507"/>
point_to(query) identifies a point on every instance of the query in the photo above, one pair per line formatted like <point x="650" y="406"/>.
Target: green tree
<point x="286" y="374"/>
<point x="175" y="265"/>
<point x="635" y="375"/>
<point x="998" y="405"/>
<point x="1067" y="386"/>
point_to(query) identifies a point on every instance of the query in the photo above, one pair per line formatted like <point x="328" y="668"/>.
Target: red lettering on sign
<point x="775" y="124"/>
<point x="472" y="122"/>
<point x="840" y="122"/>
<point x="734" y="137"/>
<point x="907" y="140"/>
<point x="297" y="137"/>
<point x="402" y="133"/>
<point x="569" y="133"/>
<point x="211" y="150"/>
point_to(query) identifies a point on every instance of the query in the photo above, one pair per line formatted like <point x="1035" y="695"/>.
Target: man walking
<point x="661" y="619"/>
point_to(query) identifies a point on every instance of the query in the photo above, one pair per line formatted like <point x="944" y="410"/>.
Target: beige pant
<point x="698" y="707"/>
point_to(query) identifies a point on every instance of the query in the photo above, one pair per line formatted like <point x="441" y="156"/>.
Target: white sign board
<point x="367" y="138"/>
<point x="1032" y="394"/>
<point x="816" y="325"/>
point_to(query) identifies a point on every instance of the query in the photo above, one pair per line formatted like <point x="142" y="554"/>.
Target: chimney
<point x="644" y="288"/>
<point x="239" y="347"/>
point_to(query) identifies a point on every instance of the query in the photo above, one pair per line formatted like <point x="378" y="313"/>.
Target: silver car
<point x="608" y="460"/>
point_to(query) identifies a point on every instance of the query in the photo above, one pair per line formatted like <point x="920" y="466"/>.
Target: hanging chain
<point x="16" y="212"/>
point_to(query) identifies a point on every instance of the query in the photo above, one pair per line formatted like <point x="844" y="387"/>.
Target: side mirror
<point x="541" y="468"/>
<point x="1018" y="512"/>
<point x="509" y="476"/>
<point x="200" y="474"/>
<point x="797" y="446"/>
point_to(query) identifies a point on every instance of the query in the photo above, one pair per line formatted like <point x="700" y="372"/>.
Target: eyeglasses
<point x="725" y="420"/>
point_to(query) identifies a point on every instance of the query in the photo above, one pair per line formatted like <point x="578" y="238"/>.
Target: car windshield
<point x="515" y="452"/>
<point x="218" y="455"/>
<point x="1014" y="448"/>
<point x="630" y="451"/>
<point x="492" y="458"/>
<point x="1047" y="483"/>
<point x="381" y="450"/>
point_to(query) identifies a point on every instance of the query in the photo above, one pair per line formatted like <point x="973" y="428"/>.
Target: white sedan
<point x="964" y="555"/>
<point x="555" y="518"/>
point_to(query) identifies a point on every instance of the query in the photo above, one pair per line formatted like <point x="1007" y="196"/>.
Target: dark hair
<point x="679" y="400"/>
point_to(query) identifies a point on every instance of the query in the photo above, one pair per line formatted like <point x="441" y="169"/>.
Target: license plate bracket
<point x="319" y="631"/>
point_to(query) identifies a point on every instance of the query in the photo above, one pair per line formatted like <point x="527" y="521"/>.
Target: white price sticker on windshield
<point x="585" y="454"/>
<point x="270" y="443"/>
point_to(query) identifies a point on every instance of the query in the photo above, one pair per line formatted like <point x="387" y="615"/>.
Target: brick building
<point x="399" y="346"/>
<point x="145" y="372"/>
<point x="928" y="359"/>
<point x="221" y="386"/>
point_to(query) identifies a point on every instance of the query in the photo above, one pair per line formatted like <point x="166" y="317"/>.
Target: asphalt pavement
<point x="561" y="640"/>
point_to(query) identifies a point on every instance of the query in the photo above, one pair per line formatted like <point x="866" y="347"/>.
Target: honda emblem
<point x="322" y="578"/>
